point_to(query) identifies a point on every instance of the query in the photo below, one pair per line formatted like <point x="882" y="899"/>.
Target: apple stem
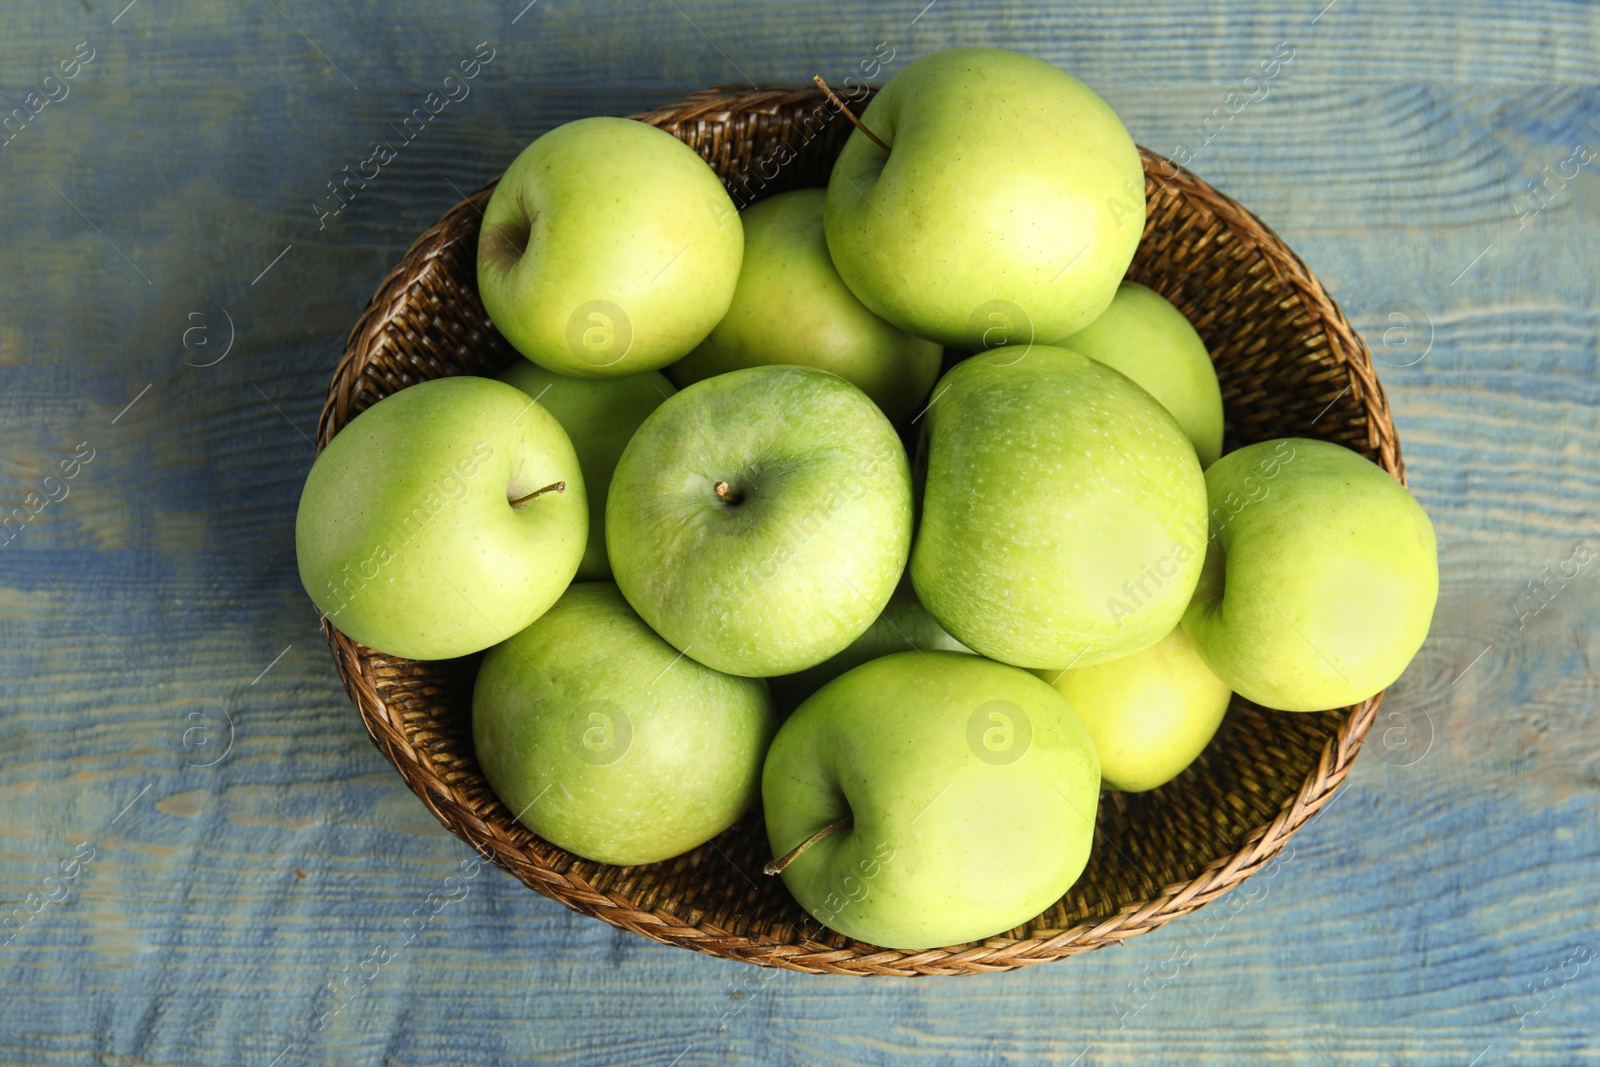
<point x="728" y="494"/>
<point x="777" y="865"/>
<point x="851" y="115"/>
<point x="553" y="487"/>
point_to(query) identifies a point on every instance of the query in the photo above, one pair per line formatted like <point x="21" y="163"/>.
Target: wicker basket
<point x="1289" y="363"/>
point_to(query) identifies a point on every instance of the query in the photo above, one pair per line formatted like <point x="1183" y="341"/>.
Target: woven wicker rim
<point x="405" y="741"/>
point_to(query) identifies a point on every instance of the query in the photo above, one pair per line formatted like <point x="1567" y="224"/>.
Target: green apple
<point x="1320" y="579"/>
<point x="599" y="416"/>
<point x="791" y="306"/>
<point x="963" y="793"/>
<point x="602" y="740"/>
<point x="759" y="520"/>
<point x="903" y="625"/>
<point x="1063" y="511"/>
<point x="1150" y="341"/>
<point x="1150" y="714"/>
<point x="432" y="526"/>
<point x="608" y="248"/>
<point x="1010" y="192"/>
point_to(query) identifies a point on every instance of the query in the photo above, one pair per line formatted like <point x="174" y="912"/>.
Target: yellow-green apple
<point x="602" y="740"/>
<point x="608" y="248"/>
<point x="1008" y="184"/>
<point x="1063" y="510"/>
<point x="759" y="520"/>
<point x="961" y="793"/>
<point x="1150" y="714"/>
<point x="903" y="625"/>
<point x="441" y="520"/>
<point x="791" y="306"/>
<point x="1320" y="578"/>
<point x="599" y="416"/>
<point x="1149" y="340"/>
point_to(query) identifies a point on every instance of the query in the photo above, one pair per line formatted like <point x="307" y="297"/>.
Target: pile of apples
<point x="1061" y="591"/>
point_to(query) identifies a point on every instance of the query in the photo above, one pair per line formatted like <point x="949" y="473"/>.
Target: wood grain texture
<point x="1453" y="875"/>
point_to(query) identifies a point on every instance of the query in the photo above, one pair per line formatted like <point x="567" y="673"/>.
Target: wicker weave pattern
<point x="1289" y="363"/>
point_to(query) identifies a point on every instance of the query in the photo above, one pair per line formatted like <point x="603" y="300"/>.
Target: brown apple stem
<point x="728" y="494"/>
<point x="851" y="115"/>
<point x="777" y="865"/>
<point x="553" y="487"/>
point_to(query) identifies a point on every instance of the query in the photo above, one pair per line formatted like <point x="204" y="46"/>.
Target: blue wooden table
<point x="198" y="837"/>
